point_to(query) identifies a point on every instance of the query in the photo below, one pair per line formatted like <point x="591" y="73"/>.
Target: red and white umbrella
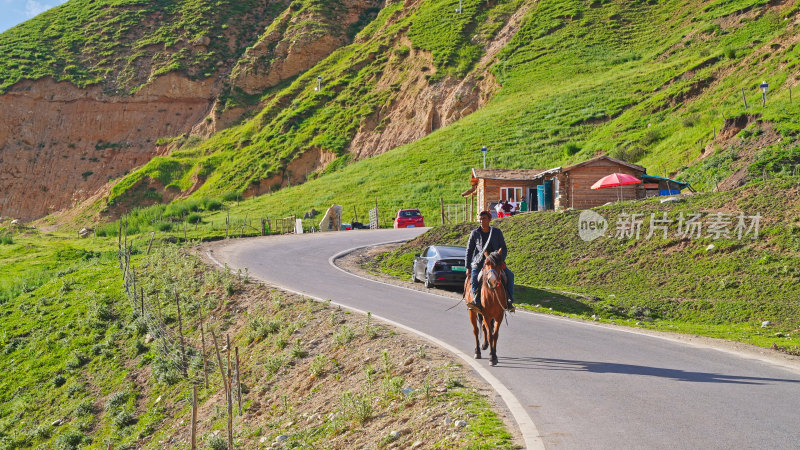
<point x="614" y="180"/>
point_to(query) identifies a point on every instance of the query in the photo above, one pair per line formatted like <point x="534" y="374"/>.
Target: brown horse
<point x="494" y="302"/>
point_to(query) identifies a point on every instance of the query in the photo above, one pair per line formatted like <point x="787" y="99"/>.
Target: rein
<point x="460" y="301"/>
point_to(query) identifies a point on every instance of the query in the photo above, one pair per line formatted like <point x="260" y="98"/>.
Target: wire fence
<point x="187" y="356"/>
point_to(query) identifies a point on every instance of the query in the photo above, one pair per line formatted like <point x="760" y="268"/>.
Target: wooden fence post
<point x="238" y="382"/>
<point x="180" y="332"/>
<point x="152" y="235"/>
<point x="158" y="310"/>
<point x="230" y="396"/>
<point x="441" y="208"/>
<point x="134" y="284"/>
<point x="744" y="99"/>
<point x="203" y="342"/>
<point x="194" y="416"/>
<point x="219" y="358"/>
<point x="263" y="226"/>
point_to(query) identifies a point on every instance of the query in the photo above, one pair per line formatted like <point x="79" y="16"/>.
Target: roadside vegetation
<point x="85" y="367"/>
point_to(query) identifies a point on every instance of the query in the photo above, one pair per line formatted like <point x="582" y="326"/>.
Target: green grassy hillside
<point x="649" y="82"/>
<point x="120" y="44"/>
<point x="296" y="118"/>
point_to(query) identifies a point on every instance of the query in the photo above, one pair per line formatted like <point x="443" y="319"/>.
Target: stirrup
<point x="474" y="307"/>
<point x="511" y="308"/>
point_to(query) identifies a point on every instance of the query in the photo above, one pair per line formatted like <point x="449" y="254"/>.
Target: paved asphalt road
<point x="584" y="386"/>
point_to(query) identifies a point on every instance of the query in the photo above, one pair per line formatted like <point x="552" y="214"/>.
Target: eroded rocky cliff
<point x="61" y="144"/>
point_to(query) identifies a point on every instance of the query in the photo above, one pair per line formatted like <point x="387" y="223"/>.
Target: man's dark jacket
<point x="475" y="248"/>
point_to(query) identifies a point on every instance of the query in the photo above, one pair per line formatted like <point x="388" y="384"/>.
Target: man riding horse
<point x="482" y="240"/>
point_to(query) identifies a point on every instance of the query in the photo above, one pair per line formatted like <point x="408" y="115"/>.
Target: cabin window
<point x="512" y="194"/>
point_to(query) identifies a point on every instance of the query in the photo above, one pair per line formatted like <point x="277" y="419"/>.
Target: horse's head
<point x="491" y="268"/>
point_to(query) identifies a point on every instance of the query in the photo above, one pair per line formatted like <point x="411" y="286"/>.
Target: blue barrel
<point x="541" y="201"/>
<point x="548" y="194"/>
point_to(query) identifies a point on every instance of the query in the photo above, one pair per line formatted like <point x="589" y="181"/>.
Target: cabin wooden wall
<point x="576" y="184"/>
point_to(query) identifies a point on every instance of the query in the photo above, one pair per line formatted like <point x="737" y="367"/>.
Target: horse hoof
<point x="484" y="346"/>
<point x="477" y="356"/>
<point x="493" y="362"/>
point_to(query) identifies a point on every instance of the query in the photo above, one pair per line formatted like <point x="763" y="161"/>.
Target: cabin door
<point x="533" y="201"/>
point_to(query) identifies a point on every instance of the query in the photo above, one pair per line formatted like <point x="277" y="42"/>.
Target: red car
<point x="409" y="218"/>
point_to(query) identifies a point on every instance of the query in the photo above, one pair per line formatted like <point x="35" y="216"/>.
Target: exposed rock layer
<point x="59" y="144"/>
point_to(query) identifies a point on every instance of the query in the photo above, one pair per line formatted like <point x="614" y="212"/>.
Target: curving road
<point x="583" y="386"/>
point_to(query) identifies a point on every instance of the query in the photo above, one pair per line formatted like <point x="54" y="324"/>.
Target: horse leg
<point x="488" y="328"/>
<point x="474" y="318"/>
<point x="493" y="351"/>
<point x="485" y="334"/>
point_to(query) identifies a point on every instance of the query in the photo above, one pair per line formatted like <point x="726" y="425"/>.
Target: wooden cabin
<point x="574" y="183"/>
<point x="556" y="188"/>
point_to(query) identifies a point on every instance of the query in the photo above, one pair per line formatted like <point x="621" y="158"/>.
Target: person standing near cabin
<point x="507" y="208"/>
<point x="487" y="239"/>
<point x="499" y="208"/>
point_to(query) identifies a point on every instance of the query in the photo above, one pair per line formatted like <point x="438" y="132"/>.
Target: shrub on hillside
<point x="124" y="419"/>
<point x="231" y="196"/>
<point x="571" y="148"/>
<point x="116" y="400"/>
<point x="651" y="136"/>
<point x="165" y="372"/>
<point x="59" y="380"/>
<point x="77" y="360"/>
<point x="69" y="440"/>
<point x="691" y="120"/>
<point x="211" y="204"/>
